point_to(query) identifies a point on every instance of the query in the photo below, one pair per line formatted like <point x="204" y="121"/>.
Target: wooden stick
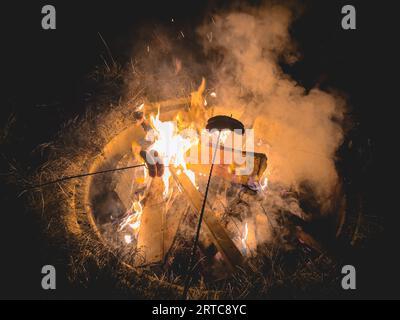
<point x="218" y="234"/>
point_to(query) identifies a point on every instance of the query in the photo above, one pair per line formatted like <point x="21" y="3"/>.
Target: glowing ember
<point x="128" y="238"/>
<point x="244" y="238"/>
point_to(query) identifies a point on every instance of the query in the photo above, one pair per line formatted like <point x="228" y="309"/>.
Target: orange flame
<point x="171" y="147"/>
<point x="133" y="220"/>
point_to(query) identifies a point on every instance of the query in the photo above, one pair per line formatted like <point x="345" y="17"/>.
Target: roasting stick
<point x="196" y="238"/>
<point x="219" y="123"/>
<point x="81" y="176"/>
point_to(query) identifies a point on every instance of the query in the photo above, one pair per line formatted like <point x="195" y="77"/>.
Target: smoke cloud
<point x="299" y="130"/>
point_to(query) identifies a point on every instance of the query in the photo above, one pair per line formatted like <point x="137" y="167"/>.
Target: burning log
<point x="226" y="169"/>
<point x="193" y="107"/>
<point x="173" y="219"/>
<point x="220" y="238"/>
<point x="151" y="235"/>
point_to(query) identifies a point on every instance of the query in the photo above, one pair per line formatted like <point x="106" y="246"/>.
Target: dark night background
<point x="44" y="84"/>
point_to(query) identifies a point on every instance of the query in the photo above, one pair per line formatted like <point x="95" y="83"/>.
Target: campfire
<point x="177" y="154"/>
<point x="153" y="210"/>
<point x="223" y="186"/>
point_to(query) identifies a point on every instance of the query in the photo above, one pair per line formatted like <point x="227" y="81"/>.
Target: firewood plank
<point x="218" y="234"/>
